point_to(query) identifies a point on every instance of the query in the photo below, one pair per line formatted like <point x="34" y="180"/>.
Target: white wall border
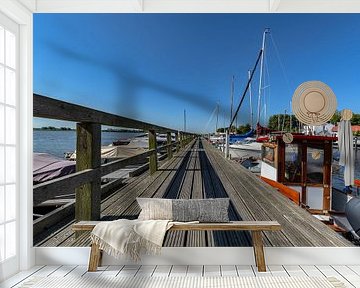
<point x="154" y="6"/>
<point x="23" y="17"/>
<point x="197" y="6"/>
<point x="209" y="256"/>
<point x="21" y="12"/>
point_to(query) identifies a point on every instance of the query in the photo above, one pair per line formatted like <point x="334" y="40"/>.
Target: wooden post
<point x="88" y="149"/>
<point x="304" y="173"/>
<point x="181" y="139"/>
<point x="258" y="250"/>
<point x="227" y="144"/>
<point x="327" y="176"/>
<point x="94" y="258"/>
<point x="169" y="148"/>
<point x="177" y="142"/>
<point x="152" y="157"/>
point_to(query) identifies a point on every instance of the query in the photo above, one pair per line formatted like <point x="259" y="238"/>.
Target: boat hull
<point x="244" y="153"/>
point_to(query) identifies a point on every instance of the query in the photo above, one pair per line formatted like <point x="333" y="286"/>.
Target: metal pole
<point x="290" y="114"/>
<point x="231" y="98"/>
<point x="184" y="120"/>
<point x="251" y="108"/>
<point x="227" y="143"/>
<point x="261" y="72"/>
<point x="217" y="117"/>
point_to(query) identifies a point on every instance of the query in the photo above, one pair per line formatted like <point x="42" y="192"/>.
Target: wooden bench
<point x="256" y="227"/>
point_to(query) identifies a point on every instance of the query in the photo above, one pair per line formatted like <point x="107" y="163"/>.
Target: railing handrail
<point x="50" y="189"/>
<point x="46" y="107"/>
<point x="88" y="160"/>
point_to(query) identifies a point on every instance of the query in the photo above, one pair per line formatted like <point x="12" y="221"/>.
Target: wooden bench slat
<point x="235" y="225"/>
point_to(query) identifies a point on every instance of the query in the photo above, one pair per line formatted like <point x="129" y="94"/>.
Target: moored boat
<point x="247" y="148"/>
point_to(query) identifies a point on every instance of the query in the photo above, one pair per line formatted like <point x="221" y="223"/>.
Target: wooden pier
<point x="193" y="169"/>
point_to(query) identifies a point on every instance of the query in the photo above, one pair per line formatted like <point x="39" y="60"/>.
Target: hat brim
<point x="314" y="103"/>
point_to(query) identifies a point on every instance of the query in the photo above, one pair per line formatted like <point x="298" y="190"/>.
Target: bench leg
<point x="95" y="258"/>
<point x="258" y="250"/>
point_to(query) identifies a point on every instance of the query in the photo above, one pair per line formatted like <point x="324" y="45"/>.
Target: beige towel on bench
<point x="129" y="237"/>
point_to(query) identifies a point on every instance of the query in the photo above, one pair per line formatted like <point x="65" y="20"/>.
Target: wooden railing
<point x="87" y="180"/>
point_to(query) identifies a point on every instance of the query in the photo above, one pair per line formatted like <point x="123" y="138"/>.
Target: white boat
<point x="143" y="141"/>
<point x="217" y="138"/>
<point x="247" y="148"/>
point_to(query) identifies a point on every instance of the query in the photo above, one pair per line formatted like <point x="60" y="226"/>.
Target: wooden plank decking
<point x="200" y="171"/>
<point x="349" y="275"/>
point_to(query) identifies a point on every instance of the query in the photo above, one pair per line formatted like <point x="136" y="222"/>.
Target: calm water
<point x="59" y="142"/>
<point x="338" y="174"/>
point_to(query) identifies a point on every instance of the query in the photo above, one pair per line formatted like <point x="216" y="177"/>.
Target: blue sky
<point x="153" y="66"/>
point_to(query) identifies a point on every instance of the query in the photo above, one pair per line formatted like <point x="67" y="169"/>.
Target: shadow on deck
<point x="200" y="171"/>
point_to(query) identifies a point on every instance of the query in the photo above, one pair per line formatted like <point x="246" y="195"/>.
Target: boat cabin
<point x="304" y="165"/>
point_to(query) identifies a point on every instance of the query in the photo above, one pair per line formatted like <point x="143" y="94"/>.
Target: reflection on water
<point x="338" y="171"/>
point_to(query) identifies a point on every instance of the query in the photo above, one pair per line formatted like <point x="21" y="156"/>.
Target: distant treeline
<point x="286" y="122"/>
<point x="52" y="128"/>
<point x="282" y="121"/>
<point x="355" y="120"/>
<point x="242" y="129"/>
<point x="122" y="130"/>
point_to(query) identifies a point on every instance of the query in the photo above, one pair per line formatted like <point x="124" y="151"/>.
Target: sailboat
<point x="245" y="146"/>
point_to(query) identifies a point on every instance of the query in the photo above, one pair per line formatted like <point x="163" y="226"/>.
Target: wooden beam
<point x="169" y="148"/>
<point x="48" y="220"/>
<point x="46" y="107"/>
<point x="88" y="151"/>
<point x="181" y="136"/>
<point x="288" y="192"/>
<point x="153" y="157"/>
<point x="110" y="186"/>
<point x="258" y="250"/>
<point x="177" y="141"/>
<point x="63" y="185"/>
<point x="122" y="163"/>
<point x="95" y="258"/>
<point x="234" y="225"/>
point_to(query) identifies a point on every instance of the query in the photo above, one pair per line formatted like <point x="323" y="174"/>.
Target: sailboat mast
<point x="267" y="30"/>
<point x="217" y="117"/>
<point x="231" y="98"/>
<point x="251" y="108"/>
<point x="184" y="120"/>
<point x="290" y="114"/>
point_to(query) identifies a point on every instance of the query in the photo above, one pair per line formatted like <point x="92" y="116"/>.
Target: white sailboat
<point x="249" y="147"/>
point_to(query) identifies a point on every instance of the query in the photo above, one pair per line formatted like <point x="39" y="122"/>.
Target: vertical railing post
<point x="227" y="144"/>
<point x="169" y="148"/>
<point x="88" y="150"/>
<point x="177" y="142"/>
<point x="153" y="156"/>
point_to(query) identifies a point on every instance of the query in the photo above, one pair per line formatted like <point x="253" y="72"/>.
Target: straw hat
<point x="314" y="103"/>
<point x="346" y="114"/>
